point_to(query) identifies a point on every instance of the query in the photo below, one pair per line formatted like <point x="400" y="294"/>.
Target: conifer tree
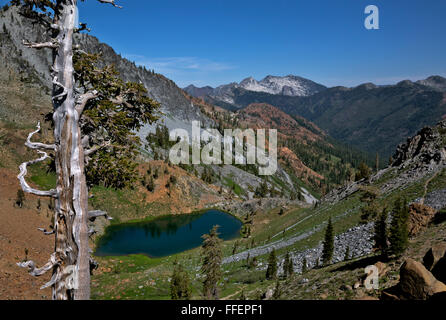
<point x="290" y="269"/>
<point x="180" y="288"/>
<point x="277" y="291"/>
<point x="304" y="265"/>
<point x="380" y="236"/>
<point x="327" y="253"/>
<point x="211" y="266"/>
<point x="271" y="271"/>
<point x="371" y="208"/>
<point x="399" y="234"/>
<point x="286" y="262"/>
<point x="363" y="172"/>
<point x="347" y="254"/>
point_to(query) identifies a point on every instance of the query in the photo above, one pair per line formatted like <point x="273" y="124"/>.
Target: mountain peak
<point x="288" y="85"/>
<point x="434" y="82"/>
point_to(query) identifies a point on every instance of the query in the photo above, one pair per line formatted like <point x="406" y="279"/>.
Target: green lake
<point x="166" y="235"/>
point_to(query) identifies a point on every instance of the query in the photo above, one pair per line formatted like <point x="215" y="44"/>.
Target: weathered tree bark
<point x="71" y="206"/>
<point x="71" y="260"/>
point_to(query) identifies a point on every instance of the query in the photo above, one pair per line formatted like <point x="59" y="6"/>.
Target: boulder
<point x="391" y="294"/>
<point x="268" y="294"/>
<point x="346" y="287"/>
<point x="419" y="218"/>
<point x="434" y="255"/>
<point x="382" y="268"/>
<point x="435" y="261"/>
<point x="416" y="282"/>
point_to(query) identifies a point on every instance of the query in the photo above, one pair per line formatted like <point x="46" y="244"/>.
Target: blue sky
<point x="215" y="42"/>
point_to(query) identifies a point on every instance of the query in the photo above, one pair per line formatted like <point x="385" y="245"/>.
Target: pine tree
<point x="371" y="208"/>
<point x="380" y="237"/>
<point x="211" y="266"/>
<point x="327" y="253"/>
<point x="304" y="265"/>
<point x="290" y="266"/>
<point x="286" y="265"/>
<point x="363" y="172"/>
<point x="399" y="234"/>
<point x="277" y="291"/>
<point x="235" y="247"/>
<point x="180" y="288"/>
<point x="347" y="254"/>
<point x="271" y="271"/>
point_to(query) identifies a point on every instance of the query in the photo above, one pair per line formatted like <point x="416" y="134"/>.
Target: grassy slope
<point x="130" y="273"/>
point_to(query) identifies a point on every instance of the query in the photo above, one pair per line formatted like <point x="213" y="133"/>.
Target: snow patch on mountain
<point x="288" y="86"/>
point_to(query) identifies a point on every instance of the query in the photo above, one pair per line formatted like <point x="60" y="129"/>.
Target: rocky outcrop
<point x="420" y="216"/>
<point x="435" y="261"/>
<point x="421" y="281"/>
<point x="416" y="282"/>
<point x="177" y="108"/>
<point x="436" y="199"/>
<point x="422" y="156"/>
<point x="425" y="147"/>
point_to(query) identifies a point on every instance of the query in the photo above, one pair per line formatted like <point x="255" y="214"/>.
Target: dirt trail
<point x="18" y="230"/>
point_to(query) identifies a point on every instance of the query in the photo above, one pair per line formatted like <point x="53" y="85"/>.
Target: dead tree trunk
<point x="70" y="263"/>
<point x="71" y="220"/>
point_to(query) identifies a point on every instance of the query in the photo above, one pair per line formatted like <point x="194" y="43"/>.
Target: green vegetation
<point x="288" y="267"/>
<point x="371" y="208"/>
<point x="327" y="253"/>
<point x="271" y="271"/>
<point x="380" y="236"/>
<point x="180" y="287"/>
<point x="399" y="234"/>
<point x="211" y="266"/>
<point x="112" y="125"/>
<point x="237" y="189"/>
<point x="363" y="172"/>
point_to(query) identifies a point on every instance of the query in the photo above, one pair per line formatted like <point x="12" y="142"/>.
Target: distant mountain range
<point x="291" y="86"/>
<point x="370" y="117"/>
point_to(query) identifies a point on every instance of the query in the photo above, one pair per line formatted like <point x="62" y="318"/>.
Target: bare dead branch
<point x="64" y="92"/>
<point x="92" y="215"/>
<point x="91" y="232"/>
<point x="94" y="265"/>
<point x="37" y="272"/>
<point x="36" y="145"/>
<point x="55" y="278"/>
<point x="112" y="2"/>
<point x="53" y="44"/>
<point x="82" y="27"/>
<point x="84" y="99"/>
<point x="24" y="167"/>
<point x="91" y="151"/>
<point x="47" y="233"/>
